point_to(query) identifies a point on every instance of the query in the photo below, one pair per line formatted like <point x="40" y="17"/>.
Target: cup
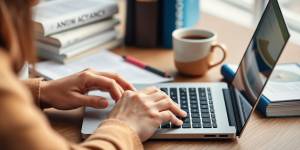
<point x="194" y="50"/>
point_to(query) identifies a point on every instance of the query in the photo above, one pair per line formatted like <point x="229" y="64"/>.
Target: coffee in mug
<point x="193" y="51"/>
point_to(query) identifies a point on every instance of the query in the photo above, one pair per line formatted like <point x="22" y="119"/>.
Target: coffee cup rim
<point x="181" y="30"/>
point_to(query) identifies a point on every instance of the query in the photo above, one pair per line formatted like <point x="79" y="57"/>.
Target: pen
<point x="140" y="64"/>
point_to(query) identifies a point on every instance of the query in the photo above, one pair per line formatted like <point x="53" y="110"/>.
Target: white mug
<point x="193" y="49"/>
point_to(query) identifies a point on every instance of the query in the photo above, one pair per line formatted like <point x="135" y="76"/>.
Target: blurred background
<point x="248" y="12"/>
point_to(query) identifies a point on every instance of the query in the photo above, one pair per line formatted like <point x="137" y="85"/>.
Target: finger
<point x="169" y="116"/>
<point x="150" y="90"/>
<point x="168" y="104"/>
<point x="105" y="84"/>
<point x="119" y="79"/>
<point x="157" y="96"/>
<point x="93" y="101"/>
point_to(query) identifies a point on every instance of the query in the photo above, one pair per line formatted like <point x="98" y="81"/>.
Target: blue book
<point x="177" y="14"/>
<point x="287" y="101"/>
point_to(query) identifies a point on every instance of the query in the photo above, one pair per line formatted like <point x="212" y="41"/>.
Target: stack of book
<point x="71" y="29"/>
<point x="281" y="97"/>
<point x="150" y="23"/>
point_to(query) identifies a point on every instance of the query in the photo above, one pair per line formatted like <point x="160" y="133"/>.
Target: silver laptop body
<point x="219" y="110"/>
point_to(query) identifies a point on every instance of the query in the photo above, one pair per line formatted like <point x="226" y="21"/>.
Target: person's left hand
<point x="70" y="92"/>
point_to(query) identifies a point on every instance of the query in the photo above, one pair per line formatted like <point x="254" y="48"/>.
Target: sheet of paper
<point x="102" y="61"/>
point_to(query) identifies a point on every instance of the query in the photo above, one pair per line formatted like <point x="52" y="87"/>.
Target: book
<point x="71" y="57"/>
<point x="79" y="46"/>
<point x="69" y="37"/>
<point x="60" y="15"/>
<point x="130" y="23"/>
<point x="281" y="96"/>
<point x="177" y="14"/>
<point x="102" y="61"/>
<point x="146" y="23"/>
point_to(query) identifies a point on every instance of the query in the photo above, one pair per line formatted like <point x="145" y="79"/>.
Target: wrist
<point x="44" y="98"/>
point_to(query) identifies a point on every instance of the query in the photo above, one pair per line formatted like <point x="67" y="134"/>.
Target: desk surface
<point x="262" y="133"/>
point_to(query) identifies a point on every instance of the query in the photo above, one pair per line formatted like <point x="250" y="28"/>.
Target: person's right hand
<point x="145" y="110"/>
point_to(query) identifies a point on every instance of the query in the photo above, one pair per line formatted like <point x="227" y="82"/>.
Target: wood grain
<point x="261" y="133"/>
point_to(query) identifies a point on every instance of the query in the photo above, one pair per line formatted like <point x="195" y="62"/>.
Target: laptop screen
<point x="260" y="58"/>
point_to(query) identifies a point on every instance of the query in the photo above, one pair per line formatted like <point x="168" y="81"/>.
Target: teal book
<point x="281" y="96"/>
<point x="177" y="14"/>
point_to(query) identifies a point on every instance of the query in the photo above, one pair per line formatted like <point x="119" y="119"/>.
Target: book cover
<point x="56" y="16"/>
<point x="146" y="23"/>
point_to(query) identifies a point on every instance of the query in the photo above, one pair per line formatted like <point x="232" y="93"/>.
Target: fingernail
<point x="104" y="104"/>
<point x="180" y="122"/>
<point x="184" y="113"/>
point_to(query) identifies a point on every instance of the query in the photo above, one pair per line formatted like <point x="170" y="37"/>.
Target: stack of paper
<point x="102" y="61"/>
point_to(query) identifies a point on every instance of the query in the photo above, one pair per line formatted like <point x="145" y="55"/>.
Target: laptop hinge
<point x="233" y="114"/>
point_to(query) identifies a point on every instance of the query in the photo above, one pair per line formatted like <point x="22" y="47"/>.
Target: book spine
<point x="168" y="22"/>
<point x="191" y="12"/>
<point x="65" y="23"/>
<point x="146" y="23"/>
<point x="229" y="73"/>
<point x="130" y="23"/>
<point x="69" y="37"/>
<point x="80" y="46"/>
<point x="177" y="14"/>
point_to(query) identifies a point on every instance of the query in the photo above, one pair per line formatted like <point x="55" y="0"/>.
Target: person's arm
<point x="23" y="126"/>
<point x="34" y="84"/>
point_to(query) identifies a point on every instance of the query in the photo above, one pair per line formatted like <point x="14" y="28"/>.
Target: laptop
<point x="219" y="110"/>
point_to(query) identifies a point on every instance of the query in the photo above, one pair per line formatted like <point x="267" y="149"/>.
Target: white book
<point x="69" y="37"/>
<point x="79" y="46"/>
<point x="68" y="58"/>
<point x="56" y="16"/>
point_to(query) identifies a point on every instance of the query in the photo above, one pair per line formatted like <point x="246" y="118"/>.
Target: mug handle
<point x="223" y="49"/>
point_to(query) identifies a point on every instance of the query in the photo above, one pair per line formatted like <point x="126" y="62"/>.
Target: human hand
<point x="145" y="110"/>
<point x="70" y="92"/>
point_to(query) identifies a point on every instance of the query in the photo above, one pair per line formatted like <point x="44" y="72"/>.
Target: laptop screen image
<point x="259" y="60"/>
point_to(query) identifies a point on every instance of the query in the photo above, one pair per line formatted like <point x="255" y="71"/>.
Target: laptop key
<point x="165" y="90"/>
<point x="195" y="110"/>
<point x="195" y="115"/>
<point x="186" y="120"/>
<point x="174" y="126"/>
<point x="194" y="106"/>
<point x="184" y="106"/>
<point x="186" y="125"/>
<point x="204" y="110"/>
<point x="196" y="125"/>
<point x="204" y="106"/>
<point x="206" y="125"/>
<point x="215" y="125"/>
<point x="206" y="120"/>
<point x="203" y="102"/>
<point x="205" y="115"/>
<point x="213" y="115"/>
<point x="166" y="125"/>
<point x="196" y="120"/>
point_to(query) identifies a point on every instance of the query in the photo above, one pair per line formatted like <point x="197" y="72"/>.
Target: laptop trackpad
<point x="93" y="117"/>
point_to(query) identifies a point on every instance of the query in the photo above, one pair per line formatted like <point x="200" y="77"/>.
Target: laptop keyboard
<point x="198" y="104"/>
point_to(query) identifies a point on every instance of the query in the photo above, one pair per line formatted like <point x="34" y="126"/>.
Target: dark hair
<point x="16" y="31"/>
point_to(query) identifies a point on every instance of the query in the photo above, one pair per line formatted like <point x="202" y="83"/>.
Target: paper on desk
<point x="102" y="61"/>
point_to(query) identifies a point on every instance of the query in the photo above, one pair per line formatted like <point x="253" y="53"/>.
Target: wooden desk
<point x="261" y="133"/>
